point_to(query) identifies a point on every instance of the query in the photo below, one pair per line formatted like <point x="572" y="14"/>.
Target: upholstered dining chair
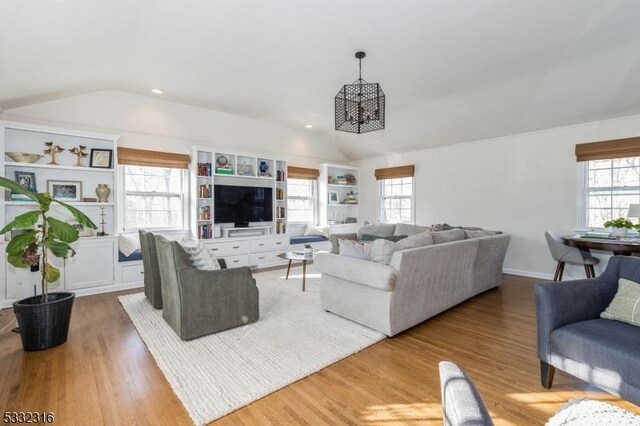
<point x="152" y="286"/>
<point x="563" y="254"/>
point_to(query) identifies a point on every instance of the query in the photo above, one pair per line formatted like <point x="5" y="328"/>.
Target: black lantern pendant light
<point x="360" y="106"/>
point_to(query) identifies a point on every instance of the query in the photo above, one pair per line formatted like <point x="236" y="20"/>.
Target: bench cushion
<point x="136" y="255"/>
<point x="307" y="239"/>
<point x="603" y="344"/>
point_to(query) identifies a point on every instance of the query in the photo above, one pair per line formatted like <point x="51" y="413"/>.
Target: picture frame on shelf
<point x="28" y="181"/>
<point x="101" y="158"/>
<point x="334" y="197"/>
<point x="65" y="190"/>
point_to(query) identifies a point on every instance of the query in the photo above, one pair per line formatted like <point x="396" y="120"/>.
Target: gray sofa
<point x="573" y="337"/>
<point x="417" y="284"/>
<point x="196" y="302"/>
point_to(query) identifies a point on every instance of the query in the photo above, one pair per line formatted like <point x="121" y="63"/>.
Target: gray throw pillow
<point x="442" y="237"/>
<point x="394" y="238"/>
<point x="355" y="249"/>
<point x="413" y="241"/>
<point x="406" y="229"/>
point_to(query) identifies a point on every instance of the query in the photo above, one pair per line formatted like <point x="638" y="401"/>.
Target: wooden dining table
<point x="619" y="246"/>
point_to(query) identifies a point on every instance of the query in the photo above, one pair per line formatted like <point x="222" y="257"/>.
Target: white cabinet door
<point x="93" y="265"/>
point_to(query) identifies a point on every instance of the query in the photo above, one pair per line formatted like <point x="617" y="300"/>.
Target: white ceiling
<point x="452" y="70"/>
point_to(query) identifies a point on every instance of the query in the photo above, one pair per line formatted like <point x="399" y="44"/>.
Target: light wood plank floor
<point x="105" y="375"/>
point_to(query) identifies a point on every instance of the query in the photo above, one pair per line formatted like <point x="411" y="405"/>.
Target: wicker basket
<point x="44" y="325"/>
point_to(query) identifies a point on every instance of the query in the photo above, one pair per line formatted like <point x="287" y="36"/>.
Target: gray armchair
<point x="196" y="302"/>
<point x="152" y="287"/>
<point x="462" y="404"/>
<point x="573" y="337"/>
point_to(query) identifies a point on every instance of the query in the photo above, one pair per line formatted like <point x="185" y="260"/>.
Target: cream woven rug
<point x="217" y="374"/>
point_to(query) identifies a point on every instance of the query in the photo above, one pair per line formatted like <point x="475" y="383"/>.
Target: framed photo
<point x="333" y="197"/>
<point x="28" y="181"/>
<point x="65" y="190"/>
<point x="101" y="158"/>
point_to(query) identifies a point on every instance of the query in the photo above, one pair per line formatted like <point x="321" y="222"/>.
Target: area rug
<point x="589" y="412"/>
<point x="217" y="374"/>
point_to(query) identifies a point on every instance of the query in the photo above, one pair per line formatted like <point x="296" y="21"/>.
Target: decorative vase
<point x="44" y="325"/>
<point x="103" y="191"/>
<point x="308" y="250"/>
<point x="619" y="232"/>
<point x="264" y="168"/>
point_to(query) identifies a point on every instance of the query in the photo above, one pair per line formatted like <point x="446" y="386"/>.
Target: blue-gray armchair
<point x="573" y="337"/>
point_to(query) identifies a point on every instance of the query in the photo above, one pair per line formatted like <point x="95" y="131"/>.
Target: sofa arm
<point x="562" y="303"/>
<point x="333" y="239"/>
<point x="363" y="272"/>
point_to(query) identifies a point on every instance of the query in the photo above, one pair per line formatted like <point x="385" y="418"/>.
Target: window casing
<point x="609" y="187"/>
<point x="153" y="197"/>
<point x="396" y="200"/>
<point x="302" y="200"/>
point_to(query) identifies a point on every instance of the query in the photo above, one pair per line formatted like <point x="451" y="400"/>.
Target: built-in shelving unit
<point x="80" y="273"/>
<point x="338" y="194"/>
<point x="211" y="167"/>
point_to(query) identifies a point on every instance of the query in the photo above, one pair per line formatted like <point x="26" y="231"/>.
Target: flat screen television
<point x="236" y="204"/>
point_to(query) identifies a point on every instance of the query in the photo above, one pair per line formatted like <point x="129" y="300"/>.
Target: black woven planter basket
<point x="44" y="325"/>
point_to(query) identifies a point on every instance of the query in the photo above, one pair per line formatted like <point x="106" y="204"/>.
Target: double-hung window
<point x="301" y="200"/>
<point x="610" y="186"/>
<point x="396" y="194"/>
<point x="153" y="197"/>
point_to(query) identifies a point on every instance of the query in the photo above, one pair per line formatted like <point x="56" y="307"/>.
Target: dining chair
<point x="563" y="254"/>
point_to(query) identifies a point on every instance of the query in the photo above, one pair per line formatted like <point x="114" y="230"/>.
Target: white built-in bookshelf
<point x="338" y="194"/>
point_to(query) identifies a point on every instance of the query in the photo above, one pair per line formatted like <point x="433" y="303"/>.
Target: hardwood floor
<point x="105" y="375"/>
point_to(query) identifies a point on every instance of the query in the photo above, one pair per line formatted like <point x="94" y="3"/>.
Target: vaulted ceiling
<point x="453" y="70"/>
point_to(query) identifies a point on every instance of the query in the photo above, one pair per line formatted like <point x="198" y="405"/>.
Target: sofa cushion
<point x="355" y="249"/>
<point x="406" y="229"/>
<point x="394" y="238"/>
<point x="602" y="344"/>
<point x="382" y="250"/>
<point x="442" y="237"/>
<point x="383" y="229"/>
<point x="478" y="234"/>
<point x="625" y="305"/>
<point x="311" y="229"/>
<point x="128" y="243"/>
<point x="363" y="272"/>
<point x="136" y="255"/>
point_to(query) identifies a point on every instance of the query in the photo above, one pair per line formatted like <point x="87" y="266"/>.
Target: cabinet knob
<point x="261" y="244"/>
<point x="236" y="247"/>
<point x="279" y="242"/>
<point x="236" y="261"/>
<point x="214" y="248"/>
<point x="261" y="257"/>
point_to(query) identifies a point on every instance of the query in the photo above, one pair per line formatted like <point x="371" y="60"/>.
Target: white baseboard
<point x="529" y="274"/>
<point x="88" y="291"/>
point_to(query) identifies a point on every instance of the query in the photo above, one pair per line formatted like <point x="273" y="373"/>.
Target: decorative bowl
<point x="23" y="157"/>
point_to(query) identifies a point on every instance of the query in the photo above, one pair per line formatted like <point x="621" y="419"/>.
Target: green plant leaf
<point x="51" y="273"/>
<point x="17" y="188"/>
<point x="8" y="227"/>
<point x="16" y="260"/>
<point x="80" y="217"/>
<point x="62" y="230"/>
<point x="19" y="243"/>
<point x="58" y="248"/>
<point x="27" y="219"/>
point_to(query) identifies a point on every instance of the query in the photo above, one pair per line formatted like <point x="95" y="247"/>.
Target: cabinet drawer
<point x="131" y="273"/>
<point x="237" y="261"/>
<point x="266" y="244"/>
<point x="229" y="248"/>
<point x="267" y="258"/>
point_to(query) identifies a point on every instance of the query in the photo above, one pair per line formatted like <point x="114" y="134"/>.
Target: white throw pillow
<point x="312" y="229"/>
<point x="200" y="256"/>
<point x="128" y="243"/>
<point x="382" y="250"/>
<point x="355" y="249"/>
<point x="413" y="241"/>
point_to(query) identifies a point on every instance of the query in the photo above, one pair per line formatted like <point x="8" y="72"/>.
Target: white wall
<point x="522" y="185"/>
<point x="147" y="122"/>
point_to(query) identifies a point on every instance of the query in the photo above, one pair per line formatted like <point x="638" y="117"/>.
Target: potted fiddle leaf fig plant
<point x="619" y="226"/>
<point x="43" y="320"/>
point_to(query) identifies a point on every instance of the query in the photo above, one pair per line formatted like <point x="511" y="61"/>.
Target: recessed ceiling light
<point x="157" y="91"/>
<point x="309" y="126"/>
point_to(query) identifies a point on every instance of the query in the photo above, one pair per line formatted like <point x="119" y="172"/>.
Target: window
<point x="396" y="200"/>
<point x="610" y="186"/>
<point x="301" y="200"/>
<point x="153" y="197"/>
